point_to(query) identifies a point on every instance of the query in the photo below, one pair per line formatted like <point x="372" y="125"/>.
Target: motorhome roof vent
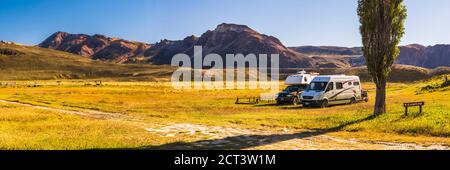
<point x="302" y="72"/>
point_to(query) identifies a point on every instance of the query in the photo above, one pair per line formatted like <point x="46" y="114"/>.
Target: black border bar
<point x="166" y="159"/>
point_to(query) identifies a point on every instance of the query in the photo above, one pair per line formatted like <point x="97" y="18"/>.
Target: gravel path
<point x="232" y="138"/>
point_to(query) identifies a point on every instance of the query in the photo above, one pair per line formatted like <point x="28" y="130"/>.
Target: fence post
<point x="406" y="110"/>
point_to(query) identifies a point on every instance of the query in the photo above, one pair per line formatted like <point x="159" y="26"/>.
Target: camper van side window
<point x="330" y="86"/>
<point x="356" y="83"/>
<point x="339" y="85"/>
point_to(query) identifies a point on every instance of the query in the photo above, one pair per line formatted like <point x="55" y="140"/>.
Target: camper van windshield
<point x="295" y="88"/>
<point x="291" y="89"/>
<point x="317" y="86"/>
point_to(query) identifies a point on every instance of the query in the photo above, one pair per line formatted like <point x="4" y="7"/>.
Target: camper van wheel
<point x="352" y="100"/>
<point x="324" y="104"/>
<point x="295" y="101"/>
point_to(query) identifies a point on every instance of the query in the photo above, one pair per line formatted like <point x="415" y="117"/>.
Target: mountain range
<point x="413" y="54"/>
<point x="233" y="39"/>
<point x="21" y="62"/>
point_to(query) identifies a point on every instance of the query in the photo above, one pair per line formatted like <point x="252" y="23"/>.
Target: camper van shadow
<point x="318" y="107"/>
<point x="249" y="141"/>
<point x="291" y="107"/>
<point x="266" y="105"/>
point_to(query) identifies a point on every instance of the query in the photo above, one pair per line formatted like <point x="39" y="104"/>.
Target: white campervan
<point x="333" y="89"/>
<point x="301" y="78"/>
<point x="296" y="84"/>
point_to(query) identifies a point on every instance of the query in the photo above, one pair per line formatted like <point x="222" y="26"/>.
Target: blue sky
<point x="294" y="22"/>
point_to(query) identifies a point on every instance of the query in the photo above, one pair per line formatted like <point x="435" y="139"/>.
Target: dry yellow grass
<point x="159" y="103"/>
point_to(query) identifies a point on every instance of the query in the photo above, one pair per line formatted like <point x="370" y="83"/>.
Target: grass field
<point x="28" y="128"/>
<point x="34" y="63"/>
<point x="157" y="103"/>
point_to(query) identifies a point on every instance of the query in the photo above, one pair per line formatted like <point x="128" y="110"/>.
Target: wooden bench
<point x="8" y="84"/>
<point x="406" y="105"/>
<point x="248" y="100"/>
<point x="98" y="82"/>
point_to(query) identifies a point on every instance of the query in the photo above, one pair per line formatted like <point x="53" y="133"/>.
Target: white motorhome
<point x="333" y="89"/>
<point x="296" y="83"/>
<point x="301" y="78"/>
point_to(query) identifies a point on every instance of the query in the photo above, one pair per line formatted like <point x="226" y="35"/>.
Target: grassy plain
<point x="23" y="127"/>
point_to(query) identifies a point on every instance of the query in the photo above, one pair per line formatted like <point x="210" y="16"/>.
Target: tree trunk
<point x="380" y="99"/>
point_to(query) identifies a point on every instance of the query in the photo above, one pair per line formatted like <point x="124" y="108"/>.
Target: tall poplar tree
<point x="381" y="27"/>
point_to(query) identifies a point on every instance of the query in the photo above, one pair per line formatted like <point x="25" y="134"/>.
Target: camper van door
<point x="340" y="91"/>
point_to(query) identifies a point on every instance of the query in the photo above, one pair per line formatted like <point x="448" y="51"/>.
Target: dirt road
<point x="216" y="137"/>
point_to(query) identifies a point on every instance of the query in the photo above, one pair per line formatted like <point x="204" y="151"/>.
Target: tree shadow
<point x="249" y="141"/>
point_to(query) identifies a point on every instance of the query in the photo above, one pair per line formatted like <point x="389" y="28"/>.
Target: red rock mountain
<point x="229" y="39"/>
<point x="438" y="55"/>
<point x="234" y="39"/>
<point x="225" y="39"/>
<point x="97" y="46"/>
<point x="429" y="57"/>
<point x="413" y="54"/>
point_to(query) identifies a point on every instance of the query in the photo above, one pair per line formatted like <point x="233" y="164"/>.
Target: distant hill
<point x="18" y="62"/>
<point x="414" y="54"/>
<point x="400" y="73"/>
<point x="97" y="46"/>
<point x="327" y="50"/>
